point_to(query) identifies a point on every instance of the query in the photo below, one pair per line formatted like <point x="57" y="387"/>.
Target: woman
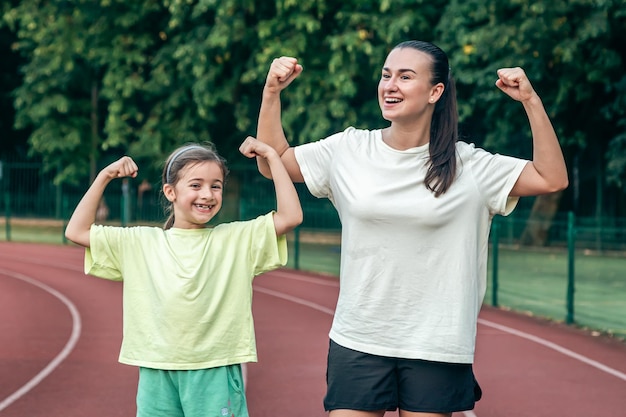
<point x="416" y="206"/>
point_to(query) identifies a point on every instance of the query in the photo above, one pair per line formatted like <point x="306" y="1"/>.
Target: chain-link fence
<point x="577" y="274"/>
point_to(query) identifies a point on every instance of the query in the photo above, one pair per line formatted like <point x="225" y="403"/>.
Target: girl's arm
<point x="269" y="128"/>
<point x="84" y="215"/>
<point x="288" y="210"/>
<point x="547" y="172"/>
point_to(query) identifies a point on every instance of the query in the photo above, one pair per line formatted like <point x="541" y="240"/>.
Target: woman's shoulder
<point x="351" y="135"/>
<point x="468" y="150"/>
<point x="462" y="146"/>
<point x="359" y="132"/>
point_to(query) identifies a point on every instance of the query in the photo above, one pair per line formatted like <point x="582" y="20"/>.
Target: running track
<point x="60" y="333"/>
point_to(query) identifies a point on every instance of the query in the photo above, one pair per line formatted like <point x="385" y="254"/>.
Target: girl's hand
<point x="252" y="147"/>
<point x="515" y="83"/>
<point x="282" y="72"/>
<point x="123" y="167"/>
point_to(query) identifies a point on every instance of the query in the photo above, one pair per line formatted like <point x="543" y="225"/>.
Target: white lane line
<point x="506" y="329"/>
<point x="555" y="347"/>
<point x="78" y="267"/>
<point x="69" y="346"/>
<point x="318" y="307"/>
<point x="295" y="276"/>
<point x="296" y="300"/>
<point x="518" y="333"/>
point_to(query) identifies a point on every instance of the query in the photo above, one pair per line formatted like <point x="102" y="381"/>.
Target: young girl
<point x="187" y="287"/>
<point x="416" y="206"/>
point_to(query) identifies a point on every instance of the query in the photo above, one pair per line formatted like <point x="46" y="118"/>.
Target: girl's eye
<point x="195" y="185"/>
<point x="217" y="187"/>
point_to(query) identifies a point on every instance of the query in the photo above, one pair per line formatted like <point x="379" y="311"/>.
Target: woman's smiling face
<point x="405" y="90"/>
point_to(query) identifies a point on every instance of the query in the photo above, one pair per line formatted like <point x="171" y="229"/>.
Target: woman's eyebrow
<point x="400" y="70"/>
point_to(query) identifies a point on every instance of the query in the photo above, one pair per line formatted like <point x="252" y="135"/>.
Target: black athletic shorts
<point x="360" y="381"/>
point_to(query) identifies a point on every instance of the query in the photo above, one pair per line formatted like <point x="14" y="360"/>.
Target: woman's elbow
<point x="298" y="219"/>
<point x="560" y="185"/>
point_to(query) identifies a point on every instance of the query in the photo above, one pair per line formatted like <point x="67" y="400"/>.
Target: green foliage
<point x="573" y="53"/>
<point x="106" y="77"/>
<point x="342" y="46"/>
<point x="143" y="77"/>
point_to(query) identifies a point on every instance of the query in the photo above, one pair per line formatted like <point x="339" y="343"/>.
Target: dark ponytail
<point x="444" y="124"/>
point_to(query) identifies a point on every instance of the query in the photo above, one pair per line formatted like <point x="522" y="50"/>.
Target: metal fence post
<point x="125" y="202"/>
<point x="65" y="216"/>
<point x="495" y="242"/>
<point x="296" y="248"/>
<point x="571" y="284"/>
<point x="7" y="215"/>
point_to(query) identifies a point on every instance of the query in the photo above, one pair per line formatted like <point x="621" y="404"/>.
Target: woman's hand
<point x="282" y="72"/>
<point x="515" y="83"/>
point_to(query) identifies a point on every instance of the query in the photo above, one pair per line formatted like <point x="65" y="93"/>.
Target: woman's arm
<point x="546" y="173"/>
<point x="288" y="209"/>
<point x="269" y="128"/>
<point x="84" y="215"/>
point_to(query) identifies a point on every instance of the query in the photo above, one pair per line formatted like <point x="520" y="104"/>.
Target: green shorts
<point x="214" y="392"/>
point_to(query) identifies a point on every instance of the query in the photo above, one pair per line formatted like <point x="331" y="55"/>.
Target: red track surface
<point x="60" y="333"/>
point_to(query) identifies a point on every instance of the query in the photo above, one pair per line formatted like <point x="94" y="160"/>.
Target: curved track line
<point x="69" y="346"/>
<point x="510" y="330"/>
<point x="506" y="329"/>
<point x="62" y="265"/>
<point x="290" y="275"/>
<point x="555" y="347"/>
<point x="296" y="300"/>
<point x="318" y="307"/>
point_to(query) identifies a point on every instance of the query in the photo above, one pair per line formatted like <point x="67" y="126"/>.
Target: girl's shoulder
<point x="136" y="230"/>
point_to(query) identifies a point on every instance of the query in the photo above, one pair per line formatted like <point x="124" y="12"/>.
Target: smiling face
<point x="197" y="195"/>
<point x="405" y="92"/>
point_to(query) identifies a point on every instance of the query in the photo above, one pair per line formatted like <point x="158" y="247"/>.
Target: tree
<point x="106" y="77"/>
<point x="342" y="46"/>
<point x="13" y="141"/>
<point x="143" y="77"/>
<point x="568" y="49"/>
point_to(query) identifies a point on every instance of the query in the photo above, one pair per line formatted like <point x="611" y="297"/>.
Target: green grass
<point x="27" y="233"/>
<point x="536" y="282"/>
<point x="316" y="257"/>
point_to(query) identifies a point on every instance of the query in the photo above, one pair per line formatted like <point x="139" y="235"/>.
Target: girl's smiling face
<point x="197" y="195"/>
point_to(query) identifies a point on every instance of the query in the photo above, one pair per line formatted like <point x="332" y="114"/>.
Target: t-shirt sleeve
<point x="315" y="160"/>
<point x="267" y="251"/>
<point x="495" y="177"/>
<point x="101" y="258"/>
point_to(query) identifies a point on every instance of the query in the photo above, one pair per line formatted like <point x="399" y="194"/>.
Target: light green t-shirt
<point x="187" y="292"/>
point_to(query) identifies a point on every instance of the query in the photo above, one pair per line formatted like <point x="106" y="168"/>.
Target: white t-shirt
<point x="413" y="266"/>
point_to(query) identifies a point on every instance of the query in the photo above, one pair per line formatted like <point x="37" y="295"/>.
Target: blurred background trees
<point x="84" y="81"/>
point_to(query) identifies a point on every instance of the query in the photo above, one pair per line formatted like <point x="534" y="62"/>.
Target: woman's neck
<point x="403" y="138"/>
